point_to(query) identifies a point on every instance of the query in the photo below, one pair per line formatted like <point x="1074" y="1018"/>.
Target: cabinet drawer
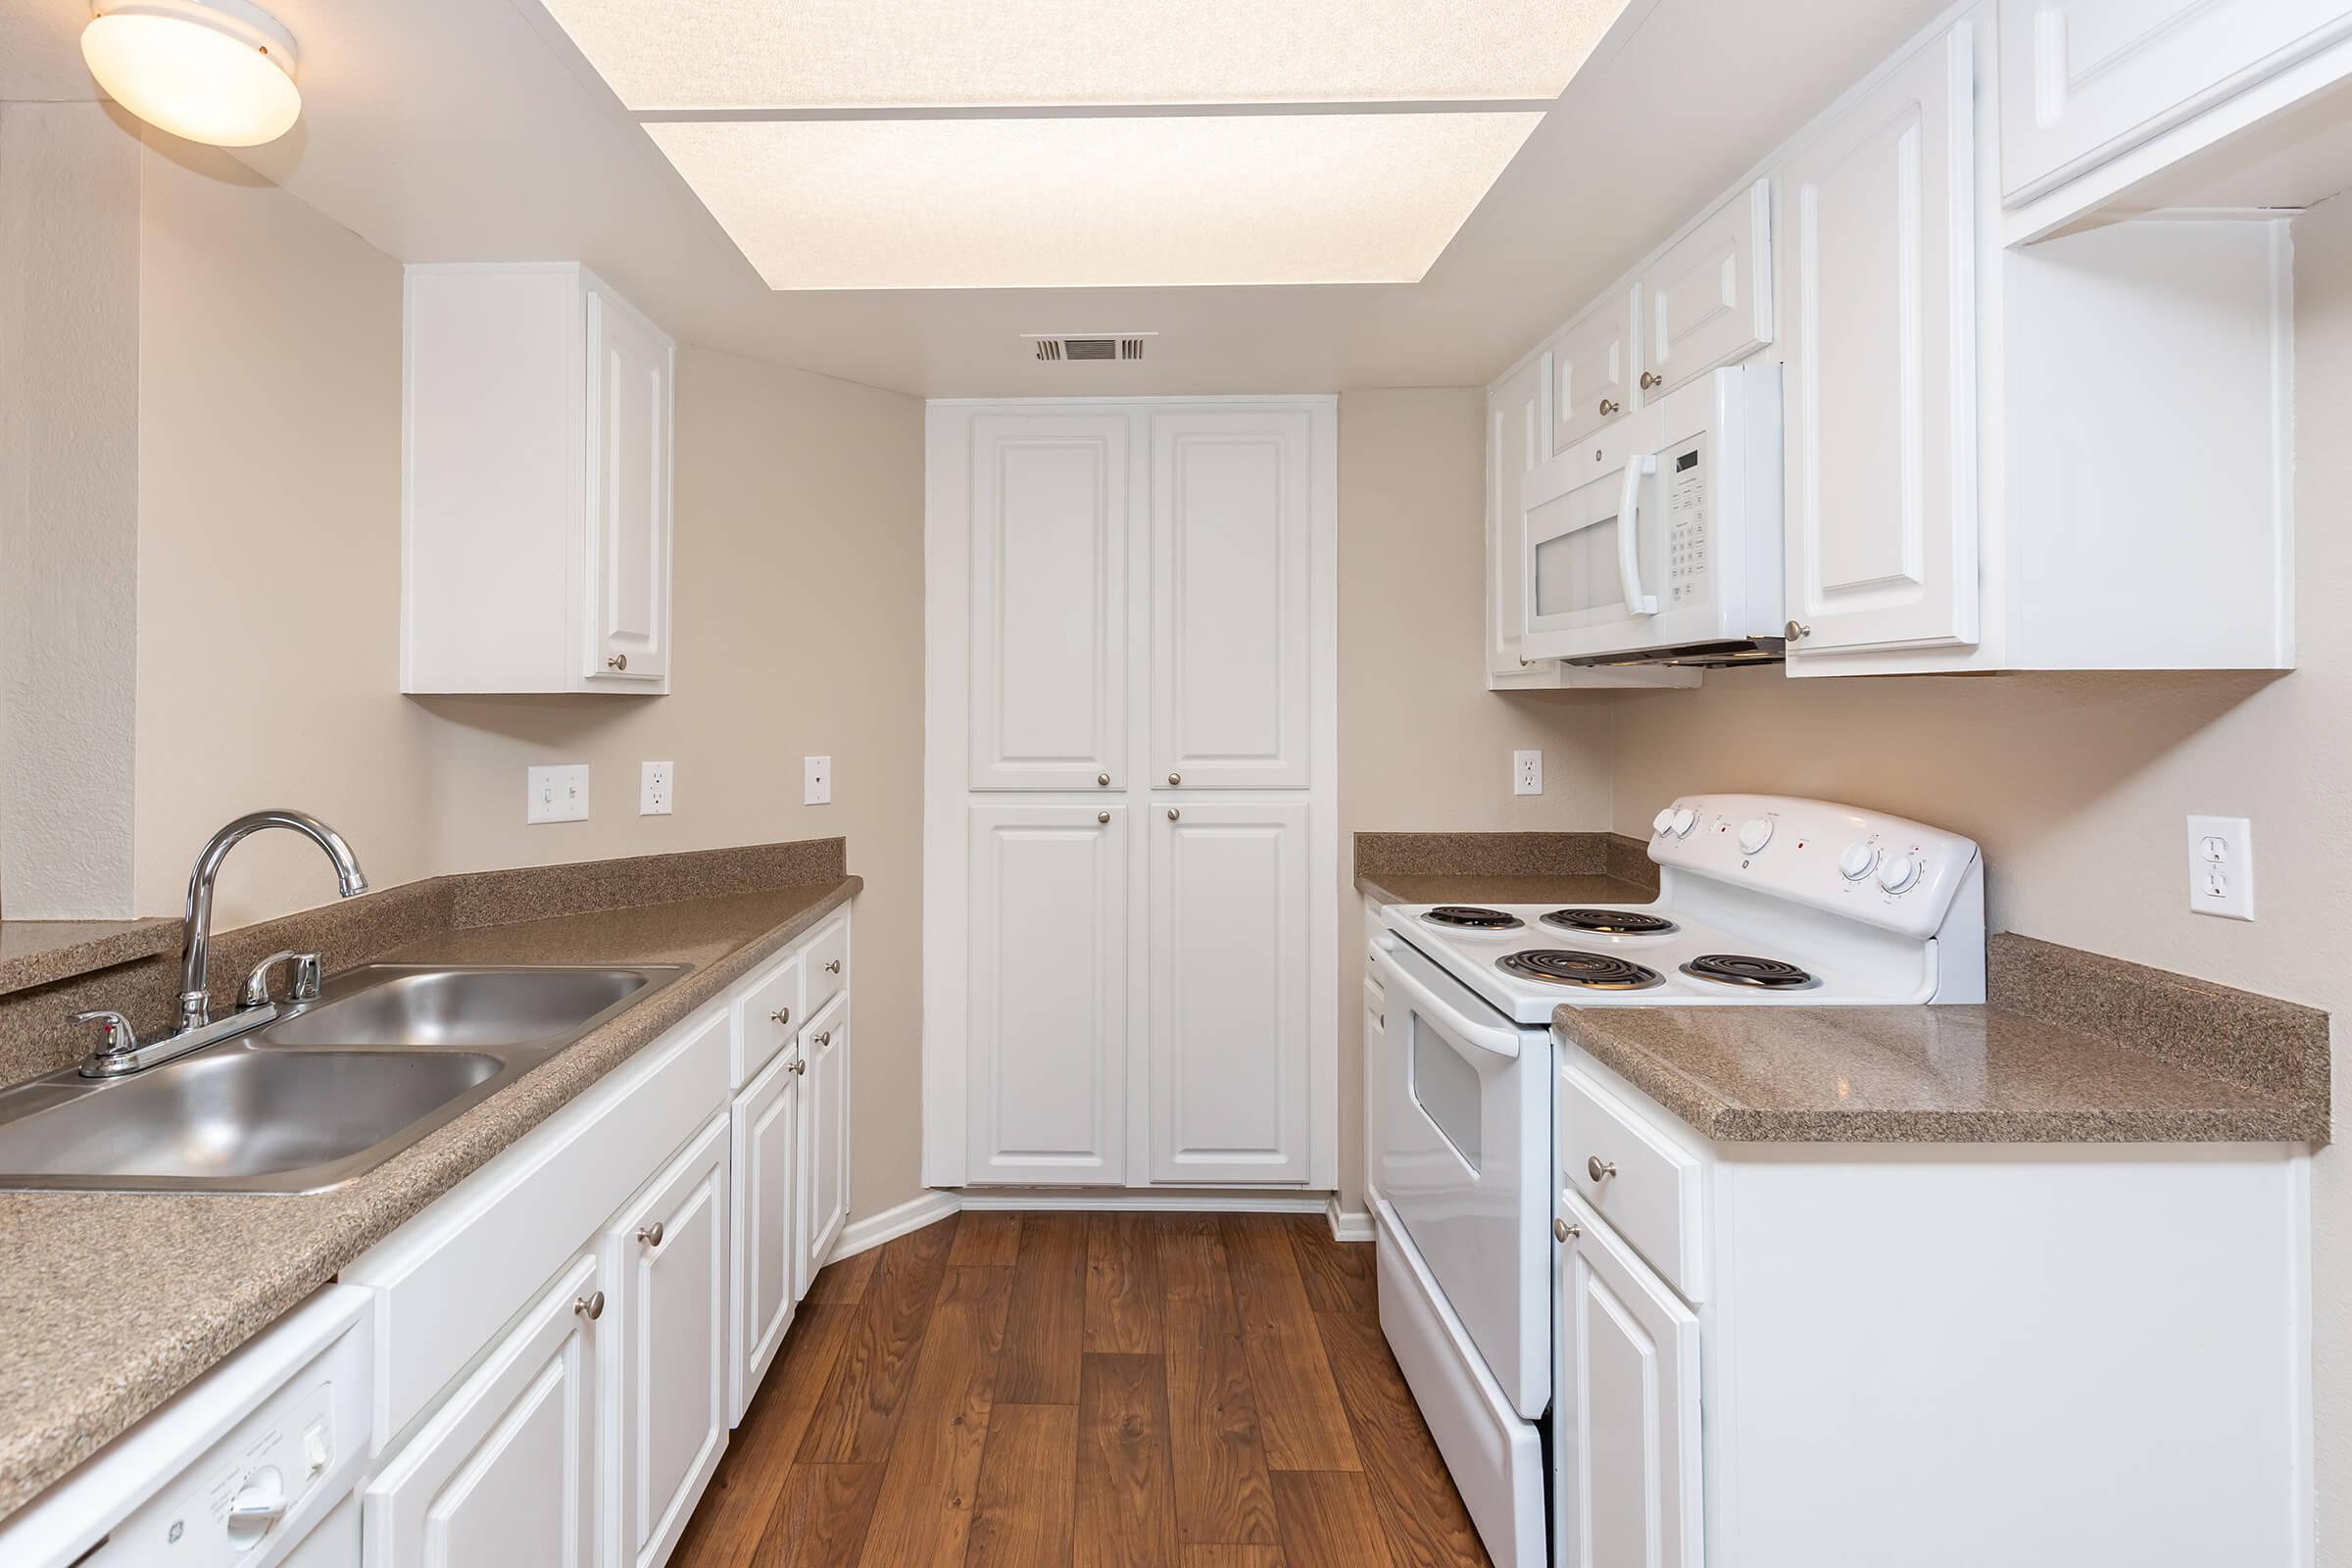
<point x="768" y="1014"/>
<point x="1626" y="1169"/>
<point x="828" y="962"/>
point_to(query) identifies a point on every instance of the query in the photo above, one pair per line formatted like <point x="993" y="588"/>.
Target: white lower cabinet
<point x="505" y="1472"/>
<point x="668" y="1255"/>
<point x="1624" y="1401"/>
<point x="765" y="1223"/>
<point x="824" y="1109"/>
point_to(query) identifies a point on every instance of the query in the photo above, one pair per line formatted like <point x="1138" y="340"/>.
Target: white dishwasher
<point x="255" y="1464"/>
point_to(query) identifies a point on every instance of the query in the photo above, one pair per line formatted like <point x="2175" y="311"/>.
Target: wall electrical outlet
<point x="817" y="781"/>
<point x="1526" y="772"/>
<point x="558" y="794"/>
<point x="653" y="788"/>
<point x="2221" y="866"/>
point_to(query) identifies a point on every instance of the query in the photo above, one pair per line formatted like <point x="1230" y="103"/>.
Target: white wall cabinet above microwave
<point x="535" y="484"/>
<point x="1708" y="301"/>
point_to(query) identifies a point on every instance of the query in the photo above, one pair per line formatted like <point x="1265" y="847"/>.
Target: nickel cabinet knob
<point x="1175" y="778"/>
<point x="650" y="1235"/>
<point x="1101" y="817"/>
<point x="1103" y="779"/>
<point x="1562" y="1230"/>
<point x="832" y="966"/>
<point x="1798" y="630"/>
<point x="798" y="1065"/>
<point x="1599" y="1170"/>
<point x="1651" y="381"/>
<point x="780" y="1015"/>
<point x="618" y="661"/>
<point x="1609" y="407"/>
<point x="1173" y="814"/>
<point x="590" y="1306"/>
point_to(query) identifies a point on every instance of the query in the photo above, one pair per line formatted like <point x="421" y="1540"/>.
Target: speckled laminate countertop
<point x="111" y="1302"/>
<point x="1393" y="888"/>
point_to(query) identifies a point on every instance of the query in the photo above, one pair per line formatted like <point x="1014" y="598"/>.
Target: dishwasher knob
<point x="257" y="1506"/>
<point x="1754" y="834"/>
<point x="1899" y="873"/>
<point x="1662" y="824"/>
<point x="1858" y="859"/>
<point x="1685" y="820"/>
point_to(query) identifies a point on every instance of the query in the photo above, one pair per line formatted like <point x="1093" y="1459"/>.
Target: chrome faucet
<point x="196" y="926"/>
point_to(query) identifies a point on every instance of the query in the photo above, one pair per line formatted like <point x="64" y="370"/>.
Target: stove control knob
<point x="1856" y="861"/>
<point x="1754" y="834"/>
<point x="1662" y="824"/>
<point x="1684" y="822"/>
<point x="1899" y="873"/>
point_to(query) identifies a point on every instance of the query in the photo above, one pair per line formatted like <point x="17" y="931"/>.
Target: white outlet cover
<point x="657" y="789"/>
<point x="558" y="794"/>
<point x="817" y="781"/>
<point x="1526" y="772"/>
<point x="2221" y="866"/>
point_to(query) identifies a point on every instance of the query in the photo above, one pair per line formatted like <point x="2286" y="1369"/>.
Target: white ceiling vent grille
<point x="1062" y="348"/>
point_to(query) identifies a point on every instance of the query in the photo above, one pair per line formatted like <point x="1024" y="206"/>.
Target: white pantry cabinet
<point x="1229" y="991"/>
<point x="535" y="483"/>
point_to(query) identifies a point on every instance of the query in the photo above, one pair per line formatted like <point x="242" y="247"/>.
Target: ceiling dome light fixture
<point x="212" y="70"/>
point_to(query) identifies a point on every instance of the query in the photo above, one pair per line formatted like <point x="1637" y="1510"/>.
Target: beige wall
<point x="1423" y="744"/>
<point x="2076" y="787"/>
<point x="799" y="602"/>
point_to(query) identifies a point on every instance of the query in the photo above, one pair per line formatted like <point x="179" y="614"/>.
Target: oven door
<point x="1465" y="1143"/>
<point x="1593" y="544"/>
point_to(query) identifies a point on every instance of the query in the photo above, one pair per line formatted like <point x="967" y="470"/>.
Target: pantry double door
<point x="1145" y="793"/>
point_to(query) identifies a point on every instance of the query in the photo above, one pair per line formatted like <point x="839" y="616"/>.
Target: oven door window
<point x="1446" y="1089"/>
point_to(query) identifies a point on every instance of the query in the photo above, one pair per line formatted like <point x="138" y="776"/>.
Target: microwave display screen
<point x="1687" y="461"/>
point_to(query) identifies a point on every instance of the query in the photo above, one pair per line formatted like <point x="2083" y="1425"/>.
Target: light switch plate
<point x="817" y="781"/>
<point x="653" y="788"/>
<point x="1526" y="772"/>
<point x="558" y="794"/>
<point x="2221" y="866"/>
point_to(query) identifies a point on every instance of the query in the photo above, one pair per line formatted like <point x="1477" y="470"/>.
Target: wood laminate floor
<point x="1190" y="1390"/>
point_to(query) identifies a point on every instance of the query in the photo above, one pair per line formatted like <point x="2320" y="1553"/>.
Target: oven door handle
<point x="1629" y="536"/>
<point x="1490" y="1039"/>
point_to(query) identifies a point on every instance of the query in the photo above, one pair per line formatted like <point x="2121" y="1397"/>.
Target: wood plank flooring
<point x="1161" y="1391"/>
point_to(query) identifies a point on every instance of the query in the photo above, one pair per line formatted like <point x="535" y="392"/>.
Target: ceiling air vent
<point x="1062" y="347"/>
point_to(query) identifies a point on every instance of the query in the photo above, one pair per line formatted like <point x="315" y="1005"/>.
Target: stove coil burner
<point x="1610" y="922"/>
<point x="1589" y="971"/>
<point x="1739" y="969"/>
<point x="1470" y="917"/>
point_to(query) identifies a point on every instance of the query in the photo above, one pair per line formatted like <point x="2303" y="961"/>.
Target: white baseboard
<point x="1146" y="1201"/>
<point x="862" y="1235"/>
<point x="1348" y="1224"/>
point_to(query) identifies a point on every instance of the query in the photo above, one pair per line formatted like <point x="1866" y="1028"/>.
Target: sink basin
<point x="460" y="1007"/>
<point x="387" y="1054"/>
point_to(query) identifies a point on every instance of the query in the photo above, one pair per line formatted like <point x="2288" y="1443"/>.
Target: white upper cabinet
<point x="2084" y="82"/>
<point x="1231" y="598"/>
<point x="1049" y="601"/>
<point x="1229" y="991"/>
<point x="1708" y="301"/>
<point x="1595" y="360"/>
<point x="1880" y="386"/>
<point x="1518" y="437"/>
<point x="535" y="484"/>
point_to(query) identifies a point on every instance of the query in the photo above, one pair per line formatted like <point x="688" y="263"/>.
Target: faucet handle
<point x="121" y="1038"/>
<point x="305" y="978"/>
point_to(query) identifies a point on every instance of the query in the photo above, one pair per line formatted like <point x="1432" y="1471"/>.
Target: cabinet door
<point x="1625" y="1397"/>
<point x="1046" y="1040"/>
<point x="2083" y="81"/>
<point x="1048" y="599"/>
<point x="1595" y="360"/>
<point x="1881" y="389"/>
<point x="1708" y="300"/>
<point x="1231" y="600"/>
<point x="505" y="1472"/>
<point x="668" y="1253"/>
<point x="765" y="1223"/>
<point x="628" y="451"/>
<point x="825" y="1122"/>
<point x="1227" y="987"/>
<point x="1518" y="437"/>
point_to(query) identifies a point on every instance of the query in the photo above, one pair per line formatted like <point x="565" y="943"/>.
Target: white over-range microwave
<point x="1659" y="539"/>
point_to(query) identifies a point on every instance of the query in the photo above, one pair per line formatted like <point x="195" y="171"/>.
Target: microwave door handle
<point x="1629" y="536"/>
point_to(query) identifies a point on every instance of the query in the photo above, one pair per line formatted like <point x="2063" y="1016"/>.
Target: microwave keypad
<point x="1685" y="527"/>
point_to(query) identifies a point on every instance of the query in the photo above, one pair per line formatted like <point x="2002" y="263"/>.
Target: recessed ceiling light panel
<point x="1055" y="203"/>
<point x="818" y="54"/>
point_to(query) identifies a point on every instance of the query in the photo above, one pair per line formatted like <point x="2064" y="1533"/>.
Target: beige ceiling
<point x="473" y="130"/>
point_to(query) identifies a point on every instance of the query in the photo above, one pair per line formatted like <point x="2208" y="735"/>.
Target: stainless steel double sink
<point x="326" y="1092"/>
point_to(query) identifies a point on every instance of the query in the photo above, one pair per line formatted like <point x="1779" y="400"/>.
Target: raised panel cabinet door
<point x="1518" y="437"/>
<point x="1231" y="598"/>
<point x="628" y="453"/>
<point x="668" y="1253"/>
<point x="1624" y="1401"/>
<point x="505" y="1472"/>
<point x="1707" y="302"/>
<point x="1046" y="1033"/>
<point x="1049" y="601"/>
<point x="2084" y="81"/>
<point x="1595" y="361"/>
<point x="765" y="1225"/>
<point x="1228" y="993"/>
<point x="825" y="1138"/>
<point x="1880" y="388"/>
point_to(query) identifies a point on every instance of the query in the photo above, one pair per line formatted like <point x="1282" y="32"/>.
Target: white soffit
<point x="718" y="55"/>
<point x="1046" y="203"/>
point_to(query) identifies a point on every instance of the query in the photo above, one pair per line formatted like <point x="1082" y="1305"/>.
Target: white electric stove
<point x="1763" y="901"/>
